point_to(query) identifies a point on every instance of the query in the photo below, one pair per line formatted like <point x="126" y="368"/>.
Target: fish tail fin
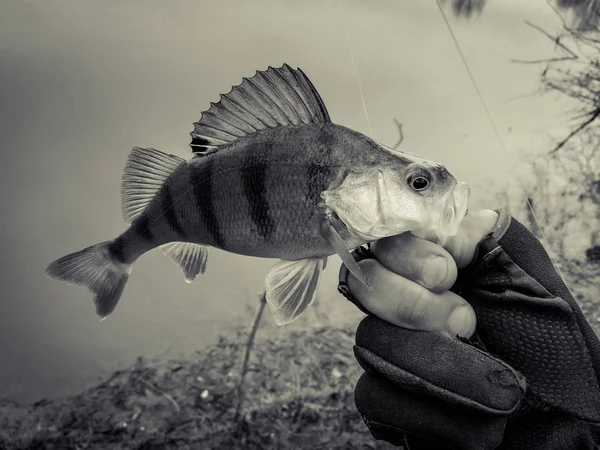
<point x="96" y="268"/>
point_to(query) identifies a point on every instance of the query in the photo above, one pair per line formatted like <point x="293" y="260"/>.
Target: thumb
<point x="472" y="230"/>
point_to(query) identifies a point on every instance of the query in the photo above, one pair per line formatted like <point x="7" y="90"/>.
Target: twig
<point x="554" y="39"/>
<point x="541" y="61"/>
<point x="593" y="117"/>
<point x="401" y="134"/>
<point x="164" y="394"/>
<point x="241" y="390"/>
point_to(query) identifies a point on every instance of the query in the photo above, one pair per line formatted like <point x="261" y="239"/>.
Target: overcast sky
<point x="82" y="82"/>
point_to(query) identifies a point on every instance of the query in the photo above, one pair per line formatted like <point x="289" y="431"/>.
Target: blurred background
<point x="82" y="82"/>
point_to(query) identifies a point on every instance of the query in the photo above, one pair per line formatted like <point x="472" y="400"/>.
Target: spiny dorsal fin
<point x="277" y="97"/>
<point x="145" y="172"/>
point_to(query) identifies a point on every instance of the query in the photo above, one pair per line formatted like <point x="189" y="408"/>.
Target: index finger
<point x="418" y="260"/>
<point x="402" y="302"/>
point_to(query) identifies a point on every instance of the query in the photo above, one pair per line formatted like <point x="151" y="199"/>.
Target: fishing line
<point x="498" y="136"/>
<point x="349" y="43"/>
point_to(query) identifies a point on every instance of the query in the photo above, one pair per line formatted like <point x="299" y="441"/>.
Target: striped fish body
<point x="262" y="196"/>
<point x="272" y="177"/>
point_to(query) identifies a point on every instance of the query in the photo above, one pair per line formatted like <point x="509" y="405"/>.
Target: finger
<point x="407" y="304"/>
<point x="418" y="260"/>
<point x="472" y="230"/>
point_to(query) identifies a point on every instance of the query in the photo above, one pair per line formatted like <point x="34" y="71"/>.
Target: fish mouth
<point x="454" y="209"/>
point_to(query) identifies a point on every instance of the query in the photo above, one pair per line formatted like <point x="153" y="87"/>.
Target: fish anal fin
<point x="291" y="286"/>
<point x="276" y="97"/>
<point x="333" y="237"/>
<point x="191" y="258"/>
<point x="145" y="172"/>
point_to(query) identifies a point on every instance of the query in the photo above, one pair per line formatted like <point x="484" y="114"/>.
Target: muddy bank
<point x="299" y="395"/>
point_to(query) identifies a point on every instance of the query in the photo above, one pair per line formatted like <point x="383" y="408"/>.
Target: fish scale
<point x="272" y="177"/>
<point x="203" y="186"/>
<point x="265" y="201"/>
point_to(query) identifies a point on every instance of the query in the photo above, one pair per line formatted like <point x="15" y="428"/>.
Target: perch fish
<point x="272" y="177"/>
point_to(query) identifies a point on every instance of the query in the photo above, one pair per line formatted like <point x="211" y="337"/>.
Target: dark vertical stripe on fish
<point x="168" y="209"/>
<point x="254" y="177"/>
<point x="117" y="249"/>
<point x="318" y="177"/>
<point x="141" y="227"/>
<point x="319" y="174"/>
<point x="201" y="180"/>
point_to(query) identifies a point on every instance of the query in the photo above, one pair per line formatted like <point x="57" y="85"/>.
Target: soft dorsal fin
<point x="145" y="172"/>
<point x="277" y="97"/>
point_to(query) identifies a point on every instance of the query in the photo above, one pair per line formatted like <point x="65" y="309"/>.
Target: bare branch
<point x="576" y="131"/>
<point x="555" y="39"/>
<point x="241" y="390"/>
<point x="399" y="125"/>
<point x="540" y="61"/>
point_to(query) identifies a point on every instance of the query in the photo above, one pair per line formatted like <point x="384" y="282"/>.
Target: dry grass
<point x="299" y="395"/>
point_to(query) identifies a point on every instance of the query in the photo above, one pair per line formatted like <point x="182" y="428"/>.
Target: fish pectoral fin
<point x="145" y="172"/>
<point x="191" y="258"/>
<point x="291" y="286"/>
<point x="333" y="237"/>
<point x="276" y="97"/>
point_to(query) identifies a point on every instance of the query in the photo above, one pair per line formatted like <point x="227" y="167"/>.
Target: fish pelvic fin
<point x="96" y="268"/>
<point x="276" y="97"/>
<point x="191" y="258"/>
<point x="291" y="286"/>
<point x="145" y="172"/>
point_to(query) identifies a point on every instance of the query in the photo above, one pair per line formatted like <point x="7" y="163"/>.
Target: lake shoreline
<point x="300" y="394"/>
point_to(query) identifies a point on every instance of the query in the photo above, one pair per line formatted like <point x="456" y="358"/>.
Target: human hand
<point x="529" y="378"/>
<point x="411" y="278"/>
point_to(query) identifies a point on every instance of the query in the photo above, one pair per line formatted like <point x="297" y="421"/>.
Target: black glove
<point x="527" y="380"/>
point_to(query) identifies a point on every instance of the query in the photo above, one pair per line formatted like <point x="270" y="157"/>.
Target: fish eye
<point x="420" y="183"/>
<point x="419" y="180"/>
